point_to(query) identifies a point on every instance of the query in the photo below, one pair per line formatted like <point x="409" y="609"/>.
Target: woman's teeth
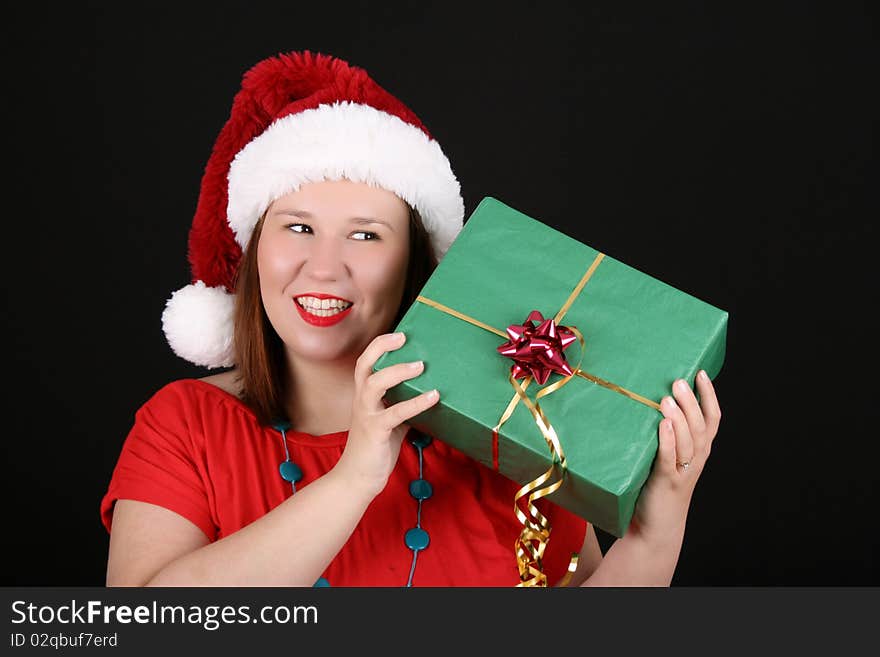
<point x="322" y="307"/>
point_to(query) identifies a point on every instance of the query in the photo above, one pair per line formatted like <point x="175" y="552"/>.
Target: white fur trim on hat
<point x="352" y="141"/>
<point x="198" y="324"/>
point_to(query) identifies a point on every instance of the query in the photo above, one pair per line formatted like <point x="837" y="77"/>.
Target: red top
<point x="200" y="452"/>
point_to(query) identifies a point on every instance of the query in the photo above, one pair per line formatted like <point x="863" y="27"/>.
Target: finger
<point x="381" y="343"/>
<point x="666" y="448"/>
<point x="378" y="383"/>
<point x="409" y="408"/>
<point x="709" y="403"/>
<point x="687" y="402"/>
<point x="684" y="444"/>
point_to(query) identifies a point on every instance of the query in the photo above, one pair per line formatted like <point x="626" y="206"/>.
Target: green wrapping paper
<point x="640" y="334"/>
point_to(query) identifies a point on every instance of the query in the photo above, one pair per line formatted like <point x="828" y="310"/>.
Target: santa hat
<point x="299" y="117"/>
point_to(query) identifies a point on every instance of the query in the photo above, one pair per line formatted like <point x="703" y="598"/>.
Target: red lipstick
<point x="314" y="320"/>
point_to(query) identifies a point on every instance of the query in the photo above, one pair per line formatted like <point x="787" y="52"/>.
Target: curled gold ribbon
<point x="532" y="541"/>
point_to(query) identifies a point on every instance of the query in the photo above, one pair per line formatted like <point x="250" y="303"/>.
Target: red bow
<point x="537" y="350"/>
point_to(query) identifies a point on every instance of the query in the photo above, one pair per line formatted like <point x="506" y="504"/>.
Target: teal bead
<point x="416" y="539"/>
<point x="420" y="489"/>
<point x="290" y="471"/>
<point x="420" y="439"/>
<point x="321" y="583"/>
<point x="281" y="425"/>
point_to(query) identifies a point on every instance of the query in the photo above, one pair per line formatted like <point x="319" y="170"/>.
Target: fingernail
<point x="419" y="364"/>
<point x="399" y="336"/>
<point x="669" y="402"/>
<point x="681" y="385"/>
<point x="703" y="376"/>
<point x="433" y="394"/>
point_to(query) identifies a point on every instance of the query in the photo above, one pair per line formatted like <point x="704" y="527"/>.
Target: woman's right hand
<point x="377" y="432"/>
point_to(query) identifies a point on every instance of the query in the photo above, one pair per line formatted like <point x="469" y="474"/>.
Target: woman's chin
<point x="324" y="353"/>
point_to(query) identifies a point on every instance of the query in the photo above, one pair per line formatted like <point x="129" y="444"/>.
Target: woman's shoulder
<point x="226" y="381"/>
<point x="184" y="394"/>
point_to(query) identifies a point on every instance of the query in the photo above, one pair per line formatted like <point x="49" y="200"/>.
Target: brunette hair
<point x="259" y="349"/>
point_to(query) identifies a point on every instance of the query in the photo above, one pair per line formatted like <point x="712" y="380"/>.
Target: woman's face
<point x="342" y="240"/>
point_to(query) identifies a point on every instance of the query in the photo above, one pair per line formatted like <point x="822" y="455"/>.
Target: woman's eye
<point x="372" y="236"/>
<point x="296" y="227"/>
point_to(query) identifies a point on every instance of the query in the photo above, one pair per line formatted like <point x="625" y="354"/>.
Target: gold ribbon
<point x="532" y="541"/>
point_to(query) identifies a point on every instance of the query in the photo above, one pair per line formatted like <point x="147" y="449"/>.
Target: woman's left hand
<point x="685" y="441"/>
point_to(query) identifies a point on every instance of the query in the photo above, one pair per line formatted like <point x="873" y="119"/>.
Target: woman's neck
<point x="321" y="396"/>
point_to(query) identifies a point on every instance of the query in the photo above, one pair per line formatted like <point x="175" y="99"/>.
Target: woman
<point x="324" y="207"/>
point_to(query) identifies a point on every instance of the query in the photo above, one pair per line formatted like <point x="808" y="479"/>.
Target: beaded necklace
<point x="416" y="539"/>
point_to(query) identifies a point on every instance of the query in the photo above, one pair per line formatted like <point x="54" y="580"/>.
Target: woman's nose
<point x="325" y="260"/>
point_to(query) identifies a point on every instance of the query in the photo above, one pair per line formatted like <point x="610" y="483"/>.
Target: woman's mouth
<point x="322" y="312"/>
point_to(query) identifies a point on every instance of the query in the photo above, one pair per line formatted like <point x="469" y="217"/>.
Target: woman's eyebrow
<point x="305" y="214"/>
<point x="371" y="220"/>
<point x="302" y="214"/>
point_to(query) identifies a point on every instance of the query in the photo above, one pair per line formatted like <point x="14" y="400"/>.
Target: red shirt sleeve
<point x="162" y="462"/>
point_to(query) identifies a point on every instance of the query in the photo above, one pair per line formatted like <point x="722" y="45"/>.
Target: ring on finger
<point x="684" y="465"/>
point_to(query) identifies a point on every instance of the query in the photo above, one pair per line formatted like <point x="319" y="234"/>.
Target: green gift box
<point x="640" y="335"/>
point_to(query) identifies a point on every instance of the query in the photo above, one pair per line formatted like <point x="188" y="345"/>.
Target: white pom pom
<point x="198" y="325"/>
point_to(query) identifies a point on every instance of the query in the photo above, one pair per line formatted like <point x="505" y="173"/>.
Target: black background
<point x="728" y="152"/>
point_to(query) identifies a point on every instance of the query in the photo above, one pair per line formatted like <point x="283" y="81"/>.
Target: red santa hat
<point x="299" y="117"/>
